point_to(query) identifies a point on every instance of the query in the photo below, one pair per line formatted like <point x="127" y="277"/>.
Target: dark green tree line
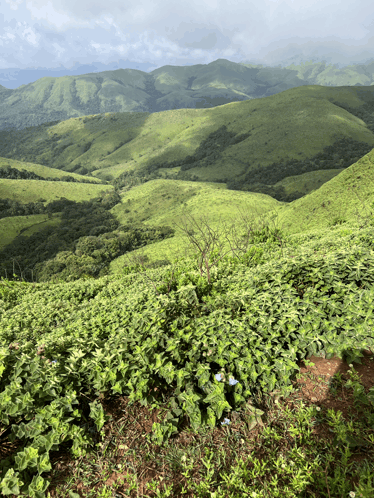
<point x="86" y="241"/>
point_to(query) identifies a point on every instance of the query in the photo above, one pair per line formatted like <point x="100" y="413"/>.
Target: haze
<point x="66" y="37"/>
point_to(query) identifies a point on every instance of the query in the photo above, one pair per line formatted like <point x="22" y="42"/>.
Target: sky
<point x="148" y="34"/>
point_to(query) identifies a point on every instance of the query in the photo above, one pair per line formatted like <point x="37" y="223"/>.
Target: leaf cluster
<point x="208" y="347"/>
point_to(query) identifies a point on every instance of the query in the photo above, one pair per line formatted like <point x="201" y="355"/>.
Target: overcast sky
<point x="48" y="34"/>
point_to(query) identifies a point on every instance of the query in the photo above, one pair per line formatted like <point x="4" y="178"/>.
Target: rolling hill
<point x="291" y="155"/>
<point x="304" y="130"/>
<point x="166" y="88"/>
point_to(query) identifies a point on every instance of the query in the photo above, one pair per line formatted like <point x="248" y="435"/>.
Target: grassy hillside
<point x="260" y="153"/>
<point x="349" y="196"/>
<point x="13" y="226"/>
<point x="31" y="191"/>
<point x="26" y="191"/>
<point x="290" y="130"/>
<point x="43" y="171"/>
<point x="166" y="202"/>
<point x="168" y="87"/>
<point x="306" y="182"/>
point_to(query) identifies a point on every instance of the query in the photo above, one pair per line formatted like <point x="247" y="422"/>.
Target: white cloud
<point x="50" y="33"/>
<point x="13" y="4"/>
<point x="46" y="11"/>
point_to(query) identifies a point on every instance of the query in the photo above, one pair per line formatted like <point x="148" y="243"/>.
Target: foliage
<point x="217" y="332"/>
<point x="84" y="243"/>
<point x="218" y="343"/>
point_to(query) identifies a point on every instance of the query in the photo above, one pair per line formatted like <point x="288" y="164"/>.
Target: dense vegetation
<point x="84" y="243"/>
<point x="206" y="344"/>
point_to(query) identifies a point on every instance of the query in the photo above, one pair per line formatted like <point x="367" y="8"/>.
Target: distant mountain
<point x="54" y="99"/>
<point x="14" y="77"/>
<point x="333" y="53"/>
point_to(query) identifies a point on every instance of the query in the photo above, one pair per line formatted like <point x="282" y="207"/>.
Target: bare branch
<point x="139" y="259"/>
<point x="208" y="245"/>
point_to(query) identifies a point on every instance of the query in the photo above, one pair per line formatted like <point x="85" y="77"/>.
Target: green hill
<point x="43" y="171"/>
<point x="279" y="154"/>
<point x="13" y="226"/>
<point x="166" y="203"/>
<point x="263" y="141"/>
<point x="349" y="196"/>
<point x="166" y="88"/>
<point x="30" y="190"/>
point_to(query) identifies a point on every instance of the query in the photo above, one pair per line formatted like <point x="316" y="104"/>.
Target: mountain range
<point x="286" y="133"/>
<point x="169" y="87"/>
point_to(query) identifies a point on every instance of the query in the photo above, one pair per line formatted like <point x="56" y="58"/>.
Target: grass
<point x="295" y="124"/>
<point x="316" y="442"/>
<point x="163" y="202"/>
<point x="26" y="191"/>
<point x="43" y="171"/>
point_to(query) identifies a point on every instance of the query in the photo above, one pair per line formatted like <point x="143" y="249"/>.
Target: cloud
<point x="63" y="32"/>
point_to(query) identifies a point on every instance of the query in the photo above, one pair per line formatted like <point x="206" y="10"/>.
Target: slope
<point x="43" y="192"/>
<point x="43" y="171"/>
<point x="302" y="130"/>
<point x="169" y="87"/>
<point x="346" y="199"/>
<point x="167" y="202"/>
